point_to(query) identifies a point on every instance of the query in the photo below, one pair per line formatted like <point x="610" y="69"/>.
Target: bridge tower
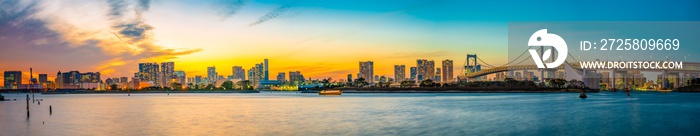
<point x="471" y="64"/>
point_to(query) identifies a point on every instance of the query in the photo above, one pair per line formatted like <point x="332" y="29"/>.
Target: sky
<point x="320" y="38"/>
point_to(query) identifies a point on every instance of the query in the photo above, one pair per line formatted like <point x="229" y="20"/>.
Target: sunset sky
<point x="320" y="38"/>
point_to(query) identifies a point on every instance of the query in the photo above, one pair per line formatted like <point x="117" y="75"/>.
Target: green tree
<point x="427" y="83"/>
<point x="209" y="87"/>
<point x="408" y="84"/>
<point x="176" y="86"/>
<point x="113" y="87"/>
<point x="227" y="85"/>
<point x="244" y="85"/>
<point x="361" y="82"/>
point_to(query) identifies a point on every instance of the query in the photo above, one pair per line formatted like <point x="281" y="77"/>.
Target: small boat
<point x="330" y="92"/>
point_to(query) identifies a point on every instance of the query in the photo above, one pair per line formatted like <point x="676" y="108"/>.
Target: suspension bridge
<point x="475" y="68"/>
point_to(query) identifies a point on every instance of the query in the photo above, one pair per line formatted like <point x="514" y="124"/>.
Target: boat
<point x="330" y="92"/>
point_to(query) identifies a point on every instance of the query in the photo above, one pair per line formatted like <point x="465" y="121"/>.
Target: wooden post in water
<point x="27" y="105"/>
<point x="50" y="110"/>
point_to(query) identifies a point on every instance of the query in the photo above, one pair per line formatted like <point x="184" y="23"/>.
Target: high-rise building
<point x="211" y="74"/>
<point x="90" y="77"/>
<point x="349" y="77"/>
<point x="149" y="72"/>
<point x="13" y="79"/>
<point x="75" y="79"/>
<point x="43" y="78"/>
<point x="280" y="77"/>
<point x="238" y="73"/>
<point x="180" y="77"/>
<point x="447" y="70"/>
<point x="413" y="72"/>
<point x="425" y="69"/>
<point x="438" y="74"/>
<point x="399" y="72"/>
<point x="430" y="69"/>
<point x="197" y="79"/>
<point x="167" y="73"/>
<point x="296" y="77"/>
<point x="367" y="71"/>
<point x="266" y="67"/>
<point x="256" y="74"/>
<point x="251" y="74"/>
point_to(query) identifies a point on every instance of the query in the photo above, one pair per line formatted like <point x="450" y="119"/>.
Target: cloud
<point x="34" y="36"/>
<point x="283" y="11"/>
<point x="228" y="8"/>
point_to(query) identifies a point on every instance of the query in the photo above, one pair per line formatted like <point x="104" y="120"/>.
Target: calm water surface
<point x="354" y="114"/>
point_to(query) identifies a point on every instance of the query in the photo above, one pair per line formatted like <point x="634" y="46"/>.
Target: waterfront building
<point x="399" y="72"/>
<point x="211" y="74"/>
<point x="413" y="72"/>
<point x="367" y="71"/>
<point x="238" y="73"/>
<point x="13" y="79"/>
<point x="167" y="73"/>
<point x="295" y="77"/>
<point x="75" y="80"/>
<point x="266" y="66"/>
<point x="349" y="77"/>
<point x="280" y="77"/>
<point x="447" y="70"/>
<point x="197" y="79"/>
<point x="438" y="73"/>
<point x="43" y="78"/>
<point x="148" y="72"/>
<point x="425" y="69"/>
<point x="180" y="77"/>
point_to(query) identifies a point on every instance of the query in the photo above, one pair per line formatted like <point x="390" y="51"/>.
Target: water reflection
<point x="353" y="114"/>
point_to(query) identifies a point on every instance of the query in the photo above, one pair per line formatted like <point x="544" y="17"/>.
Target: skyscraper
<point x="13" y="79"/>
<point x="43" y="78"/>
<point x="367" y="71"/>
<point x="447" y="72"/>
<point x="251" y="74"/>
<point x="180" y="77"/>
<point x="349" y="77"/>
<point x="167" y="73"/>
<point x="266" y="67"/>
<point x="413" y="73"/>
<point x="429" y="69"/>
<point x="211" y="74"/>
<point x="238" y="73"/>
<point x="90" y="77"/>
<point x="399" y="72"/>
<point x="425" y="69"/>
<point x="256" y="74"/>
<point x="437" y="75"/>
<point x="296" y="77"/>
<point x="149" y="72"/>
<point x="197" y="79"/>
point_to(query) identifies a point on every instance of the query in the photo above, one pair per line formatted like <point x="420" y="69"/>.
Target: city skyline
<point x="112" y="37"/>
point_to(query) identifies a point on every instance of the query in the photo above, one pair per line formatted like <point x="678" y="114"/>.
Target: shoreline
<point x="146" y="92"/>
